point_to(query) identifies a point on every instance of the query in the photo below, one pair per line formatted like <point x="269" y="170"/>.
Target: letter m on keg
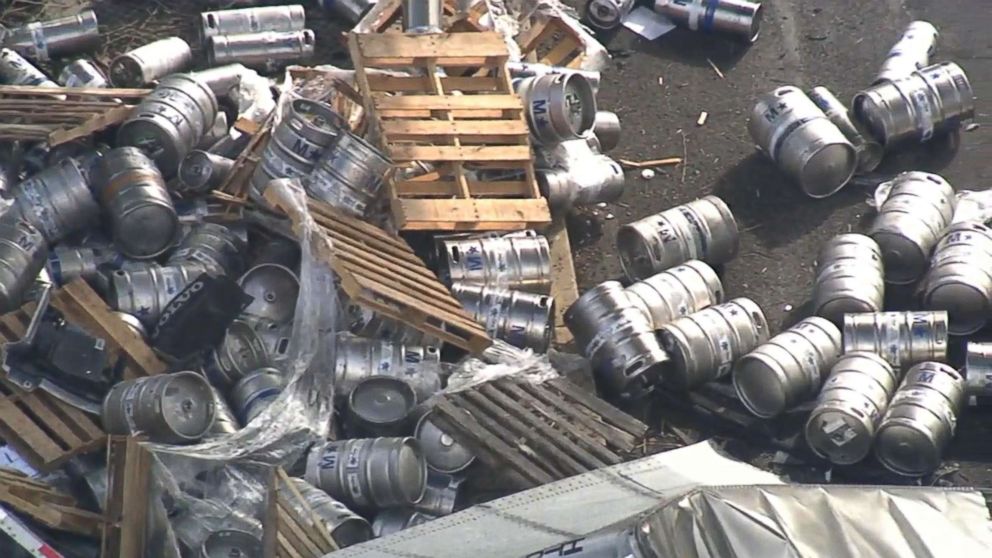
<point x="925" y="377"/>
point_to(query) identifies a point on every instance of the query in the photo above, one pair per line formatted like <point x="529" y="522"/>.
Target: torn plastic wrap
<point x="500" y="360"/>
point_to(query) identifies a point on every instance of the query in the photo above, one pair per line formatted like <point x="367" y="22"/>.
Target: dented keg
<point x="842" y="426"/>
<point x="224" y="420"/>
<point x="519" y="261"/>
<point x="917" y="107"/>
<point x="380" y="406"/>
<point x="349" y="175"/>
<point x="422" y="16"/>
<point x="676" y="292"/>
<point x="442" y="494"/>
<point x="920" y="420"/>
<point x="521" y="319"/>
<point x="144" y="293"/>
<point x="83" y="73"/>
<point x="901" y="338"/>
<point x="912" y="52"/>
<point x="606" y="128"/>
<point x="202" y="172"/>
<point x="369" y="473"/>
<point x="978" y="369"/>
<point x="788" y="369"/>
<point x="607" y="14"/>
<point x="959" y="280"/>
<point x="733" y="17"/>
<point x="241" y="352"/>
<point x="150" y="62"/>
<point x="357" y="358"/>
<point x="910" y="222"/>
<point x="702" y="229"/>
<point x="345" y="526"/>
<point x="586" y="315"/>
<point x="168" y="408"/>
<point x="869" y="151"/>
<point x="252" y="20"/>
<point x="15" y="70"/>
<point x="351" y="11"/>
<point x="230" y="543"/>
<point x="266" y="51"/>
<point x="217" y="247"/>
<point x="704" y="346"/>
<point x="849" y="278"/>
<point x="442" y="453"/>
<point x="44" y="40"/>
<point x="274" y="289"/>
<point x="57" y="201"/>
<point x="807" y="146"/>
<point x="22" y="256"/>
<point x="559" y="107"/>
<point x="255" y="392"/>
<point x="394" y="520"/>
<point x="557" y="186"/>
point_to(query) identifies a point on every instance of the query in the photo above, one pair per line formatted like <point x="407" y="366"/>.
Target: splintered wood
<point x="553" y="42"/>
<point x="298" y="535"/>
<point x="46" y="505"/>
<point x="457" y="113"/>
<point x="539" y="433"/>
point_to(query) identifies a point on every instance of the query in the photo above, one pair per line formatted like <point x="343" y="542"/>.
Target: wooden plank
<point x="20" y="431"/>
<point x="369" y="268"/>
<point x="456" y="153"/>
<point x="317" y="528"/>
<point x="564" y="51"/>
<point x="435" y="45"/>
<point x="442" y="188"/>
<point x="407" y="129"/>
<point x="94" y="124"/>
<point x="108" y="93"/>
<point x="479" y="215"/>
<point x="365" y="281"/>
<point x="441" y="102"/>
<point x="609" y="413"/>
<point x="294" y="532"/>
<point x="66" y="437"/>
<point x="579" y="415"/>
<point x="564" y="287"/>
<point x="471" y="340"/>
<point x="410" y="84"/>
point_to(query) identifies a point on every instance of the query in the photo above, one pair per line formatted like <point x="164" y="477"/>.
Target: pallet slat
<point x="510" y="188"/>
<point x="407" y="129"/>
<point x="480" y="215"/>
<point x="437" y="45"/>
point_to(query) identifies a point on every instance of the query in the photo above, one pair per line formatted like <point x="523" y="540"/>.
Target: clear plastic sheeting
<point x="500" y="360"/>
<point x="532" y="12"/>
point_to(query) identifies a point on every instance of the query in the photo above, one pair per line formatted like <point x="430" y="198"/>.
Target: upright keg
<point x="911" y="53"/>
<point x="869" y="151"/>
<point x="274" y="289"/>
<point x="350" y="11"/>
<point x="794" y="133"/>
<point x="349" y="175"/>
<point x="910" y="222"/>
<point x="142" y="218"/>
<point x="215" y="246"/>
<point x="516" y="261"/>
<point x="359" y="357"/>
<point x="849" y="278"/>
<point x="150" y="62"/>
<point x="168" y="408"/>
<point x="959" y="280"/>
<point x="170" y="121"/>
<point x="606" y="128"/>
<point x="369" y="473"/>
<point x="345" y="526"/>
<point x="788" y="369"/>
<point x="704" y="346"/>
<point x="57" y="201"/>
<point x="442" y="494"/>
<point x="241" y="352"/>
<point x="201" y="171"/>
<point x="22" y="256"/>
<point x="676" y="292"/>
<point x="422" y="16"/>
<point x="394" y="520"/>
<point x="607" y="15"/>
<point x="920" y="420"/>
<point x="901" y="338"/>
<point x="83" y="73"/>
<point x="917" y="107"/>
<point x="703" y="230"/>
<point x="266" y="51"/>
<point x="740" y="18"/>
<point x="978" y="369"/>
<point x="224" y="420"/>
<point x="442" y="452"/>
<point x="842" y="426"/>
<point x="228" y="543"/>
<point x="380" y="406"/>
<point x="43" y="40"/>
<point x="558" y="107"/>
<point x="255" y="392"/>
<point x="252" y="20"/>
<point x="15" y="70"/>
<point x="144" y="293"/>
<point x="521" y="319"/>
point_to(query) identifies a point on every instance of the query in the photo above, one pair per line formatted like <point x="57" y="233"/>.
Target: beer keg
<point x="349" y="175"/>
<point x="54" y="38"/>
<point x="520" y="261"/>
<point x="168" y="408"/>
<point x="380" y="406"/>
<point x="521" y="319"/>
<point x="369" y="473"/>
<point x="558" y="107"/>
<point x="869" y="151"/>
<point x="345" y="526"/>
<point x="144" y="293"/>
<point x="901" y="338"/>
<point x="217" y="247"/>
<point x="150" y="62"/>
<point x="252" y="20"/>
<point x="442" y="452"/>
<point x="22" y="256"/>
<point x="266" y="51"/>
<point x="740" y="18"/>
<point x="959" y="280"/>
<point x="849" y="278"/>
<point x="57" y="201"/>
<point x="911" y="53"/>
<point x="676" y="292"/>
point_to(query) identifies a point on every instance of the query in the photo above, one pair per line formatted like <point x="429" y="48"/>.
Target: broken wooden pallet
<point x="47" y="505"/>
<point x="538" y="432"/>
<point x="552" y="41"/>
<point x="469" y="128"/>
<point x="129" y="474"/>
<point x="564" y="287"/>
<point x="298" y="535"/>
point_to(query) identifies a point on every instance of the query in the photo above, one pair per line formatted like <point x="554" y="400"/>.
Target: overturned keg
<point x="978" y="369"/>
<point x="606" y="15"/>
<point x="422" y="16"/>
<point x="201" y="171"/>
<point x="702" y="229"/>
<point x="349" y="175"/>
<point x="869" y="151"/>
<point x="274" y="289"/>
<point x="910" y="222"/>
<point x="66" y="264"/>
<point x="849" y="278"/>
<point x="380" y="406"/>
<point x="358" y="358"/>
<point x="150" y="62"/>
<point x="959" y="280"/>
<point x="532" y="69"/>
<point x="266" y="51"/>
<point x="222" y="80"/>
<point x="57" y="201"/>
<point x="241" y="352"/>
<point x="740" y="18"/>
<point x="581" y="176"/>
<point x="22" y="256"/>
<point x="369" y="473"/>
<point x="842" y="426"/>
<point x="255" y="392"/>
<point x="676" y="292"/>
<point x="442" y="494"/>
<point x="15" y="70"/>
<point x="920" y="420"/>
<point x="442" y="452"/>
<point x="144" y="293"/>
<point x="133" y="324"/>
<point x="345" y="526"/>
<point x="559" y="107"/>
<point x="252" y="20"/>
<point x="350" y="11"/>
<point x="520" y="261"/>
<point x="917" y="107"/>
<point x="606" y="128"/>
<point x="704" y="346"/>
<point x="218" y="248"/>
<point x="807" y="146"/>
<point x="227" y="543"/>
<point x="83" y="73"/>
<point x="168" y="408"/>
<point x="43" y="40"/>
<point x="521" y="319"/>
<point x="394" y="520"/>
<point x="224" y="420"/>
<point x="911" y="53"/>
<point x="788" y="369"/>
<point x="901" y="338"/>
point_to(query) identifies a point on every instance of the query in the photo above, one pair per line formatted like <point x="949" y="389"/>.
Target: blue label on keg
<point x="329" y="460"/>
<point x="539" y="110"/>
<point x="473" y="259"/>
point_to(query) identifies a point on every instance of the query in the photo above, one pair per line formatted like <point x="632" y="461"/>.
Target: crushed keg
<point x="740" y="18"/>
<point x="606" y="15"/>
<point x="910" y="222"/>
<point x="521" y="319"/>
<point x="849" y="278"/>
<point x="15" y="70"/>
<point x="345" y="526"/>
<point x="150" y="62"/>
<point x="916" y="107"/>
<point x="380" y="406"/>
<point x="357" y="358"/>
<point x="704" y="346"/>
<point x="394" y="520"/>
<point x="255" y="392"/>
<point x="422" y="16"/>
<point x="252" y="20"/>
<point x="83" y="73"/>
<point x="201" y="171"/>
<point x="442" y="494"/>
<point x="520" y="261"/>
<point x="788" y="369"/>
<point x="676" y="292"/>
<point x="44" y="40"/>
<point x="702" y="229"/>
<point x="351" y="11"/>
<point x="978" y="369"/>
<point x="558" y="107"/>
<point x="843" y="423"/>
<point x="959" y="280"/>
<point x="241" y="352"/>
<point x="145" y="292"/>
<point x="57" y="201"/>
<point x="369" y="473"/>
<point x="168" y="408"/>
<point x="920" y="420"/>
<point x="229" y="543"/>
<point x="224" y="420"/>
<point x="579" y="175"/>
<point x="901" y="338"/>
<point x="217" y="247"/>
<point x="869" y="151"/>
<point x="170" y="121"/>
<point x="349" y="175"/>
<point x="807" y="146"/>
<point x="912" y="52"/>
<point x="274" y="289"/>
<point x="442" y="452"/>
<point x="266" y="51"/>
<point x="22" y="256"/>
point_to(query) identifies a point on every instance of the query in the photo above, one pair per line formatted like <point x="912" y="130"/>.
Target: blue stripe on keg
<point x="55" y="269"/>
<point x="264" y="394"/>
<point x="710" y="14"/>
<point x="785" y="134"/>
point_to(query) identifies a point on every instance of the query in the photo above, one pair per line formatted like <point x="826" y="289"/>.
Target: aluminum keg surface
<point x="382" y="399"/>
<point x="828" y="169"/>
<point x="967" y="306"/>
<point x="905" y="447"/>
<point x="442" y="452"/>
<point x="231" y="544"/>
<point x="411" y="471"/>
<point x="147" y="231"/>
<point x="274" y="288"/>
<point x="187" y="405"/>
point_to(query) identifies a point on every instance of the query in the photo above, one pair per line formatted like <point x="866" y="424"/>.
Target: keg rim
<point x="422" y="428"/>
<point x="636" y="266"/>
<point x="757" y="16"/>
<point x="811" y="172"/>
<point x="925" y="461"/>
<point x="243" y="538"/>
<point x="759" y="383"/>
<point x="958" y="324"/>
<point x="398" y="386"/>
<point x="853" y="418"/>
<point x="202" y="386"/>
<point x="896" y="272"/>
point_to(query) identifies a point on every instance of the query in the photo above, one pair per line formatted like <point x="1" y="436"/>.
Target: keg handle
<point x="24" y="345"/>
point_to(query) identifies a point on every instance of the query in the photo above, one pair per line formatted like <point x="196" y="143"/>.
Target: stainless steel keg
<point x="789" y="369"/>
<point x="15" y="70"/>
<point x="241" y="352"/>
<point x="359" y="357"/>
<point x="917" y="107"/>
<point x="850" y="278"/>
<point x="442" y="494"/>
<point x="702" y="229"/>
<point x="144" y="293"/>
<point x="531" y="69"/>
<point x="585" y="316"/>
<point x="519" y="261"/>
<point x="704" y="346"/>
<point x="57" y="201"/>
<point x="266" y="51"/>
<point x="345" y="526"/>
<point x="218" y="248"/>
<point x="221" y="79"/>
<point x="274" y="289"/>
<point x="201" y="171"/>
<point x="255" y="392"/>
<point x="677" y="292"/>
<point x="740" y="18"/>
<point x="349" y="175"/>
<point x="920" y="420"/>
<point x="442" y="452"/>
<point x="910" y="222"/>
<point x="912" y="52"/>
<point x="133" y="324"/>
<point x="606" y="127"/>
<point x="394" y="520"/>
<point x="224" y="420"/>
<point x="807" y="146"/>
<point x="350" y="11"/>
<point x="228" y="543"/>
<point x="521" y="319"/>
<point x="369" y="473"/>
<point x="959" y="280"/>
<point x="22" y="256"/>
<point x="422" y="16"/>
<point x="66" y="263"/>
<point x="869" y="151"/>
<point x="168" y="408"/>
<point x="83" y="73"/>
<point x="150" y="62"/>
<point x="252" y="20"/>
<point x="978" y="369"/>
<point x="558" y="107"/>
<point x="607" y="14"/>
<point x="850" y="406"/>
<point x="380" y="406"/>
<point x="901" y="338"/>
<point x="44" y="40"/>
<point x="556" y="185"/>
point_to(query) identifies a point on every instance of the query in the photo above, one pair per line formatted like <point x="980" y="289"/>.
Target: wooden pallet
<point x="298" y="535"/>
<point x="237" y="182"/>
<point x="480" y="128"/>
<point x="553" y="42"/>
<point x="564" y="287"/>
<point x="128" y="482"/>
<point x="26" y="115"/>
<point x="47" y="505"/>
<point x="538" y="432"/>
